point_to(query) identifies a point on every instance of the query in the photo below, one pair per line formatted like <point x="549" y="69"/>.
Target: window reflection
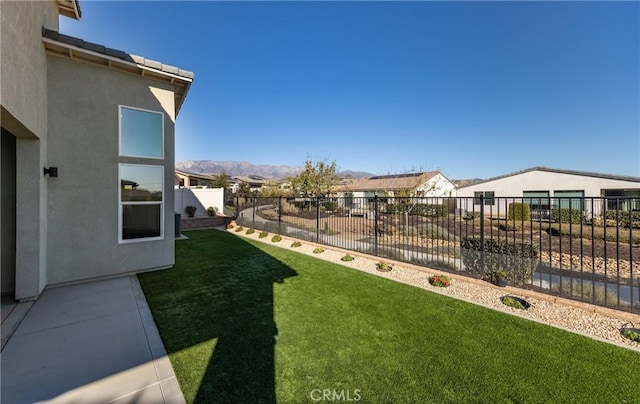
<point x="141" y="133"/>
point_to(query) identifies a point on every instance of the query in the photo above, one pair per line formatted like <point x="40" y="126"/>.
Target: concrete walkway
<point x="93" y="342"/>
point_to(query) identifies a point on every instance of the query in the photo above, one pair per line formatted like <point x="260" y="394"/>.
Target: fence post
<point x="253" y="213"/>
<point x="317" y="219"/>
<point x="279" y="215"/>
<point x="482" y="246"/>
<point x="237" y="206"/>
<point x="375" y="225"/>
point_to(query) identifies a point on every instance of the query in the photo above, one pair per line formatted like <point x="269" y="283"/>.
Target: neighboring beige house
<point x="358" y="194"/>
<point x="545" y="188"/>
<point x="87" y="154"/>
<point x="255" y="182"/>
<point x="187" y="179"/>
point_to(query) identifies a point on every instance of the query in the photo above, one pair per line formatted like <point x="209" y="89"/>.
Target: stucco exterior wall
<point x="24" y="65"/>
<point x="200" y="198"/>
<point x="84" y="145"/>
<point x="513" y="186"/>
<point x="23" y="98"/>
<point x="438" y="186"/>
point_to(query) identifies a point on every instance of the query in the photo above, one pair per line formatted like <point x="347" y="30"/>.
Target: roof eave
<point x="181" y="84"/>
<point x="70" y="8"/>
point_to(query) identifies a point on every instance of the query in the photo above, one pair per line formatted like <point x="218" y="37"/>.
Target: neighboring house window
<point x="141" y="196"/>
<point x="568" y="200"/>
<point x="489" y="197"/>
<point x="619" y="199"/>
<point x="141" y="133"/>
<point x="539" y="204"/>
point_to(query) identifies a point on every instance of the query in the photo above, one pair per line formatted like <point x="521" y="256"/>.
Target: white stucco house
<point x="547" y="188"/>
<point x="433" y="186"/>
<point x="87" y="154"/>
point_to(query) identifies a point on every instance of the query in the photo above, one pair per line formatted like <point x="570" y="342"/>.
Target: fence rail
<point x="576" y="248"/>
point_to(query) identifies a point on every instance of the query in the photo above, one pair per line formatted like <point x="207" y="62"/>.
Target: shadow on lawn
<point x="232" y="301"/>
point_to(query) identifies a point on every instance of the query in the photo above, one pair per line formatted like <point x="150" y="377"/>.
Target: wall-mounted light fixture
<point x="51" y="171"/>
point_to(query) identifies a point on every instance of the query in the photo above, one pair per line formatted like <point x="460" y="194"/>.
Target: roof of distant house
<point x="391" y="182"/>
<point x="561" y="171"/>
<point x="75" y="48"/>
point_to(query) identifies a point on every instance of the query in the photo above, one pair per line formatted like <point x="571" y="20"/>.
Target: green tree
<point x="316" y="180"/>
<point x="220" y="181"/>
<point x="244" y="189"/>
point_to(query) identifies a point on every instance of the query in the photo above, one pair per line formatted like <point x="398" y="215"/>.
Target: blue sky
<point x="475" y="89"/>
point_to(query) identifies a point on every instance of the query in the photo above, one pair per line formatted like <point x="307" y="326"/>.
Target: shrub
<point x="296" y="244"/>
<point x="347" y="258"/>
<point x="518" y="259"/>
<point x="330" y="206"/>
<point x="251" y="231"/>
<point x="239" y="229"/>
<point x="419" y="209"/>
<point x="433" y="231"/>
<point x="440" y="281"/>
<point x="586" y="292"/>
<point x="519" y="211"/>
<point x="514" y="302"/>
<point x="632" y="335"/>
<point x="384" y="266"/>
<point x="191" y="210"/>
<point x="318" y="250"/>
<point x="624" y="217"/>
<point x="263" y="234"/>
<point x="276" y="238"/>
<point x="230" y="226"/>
<point x="212" y="211"/>
<point x="567" y="215"/>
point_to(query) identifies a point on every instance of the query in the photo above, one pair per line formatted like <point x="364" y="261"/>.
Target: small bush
<point x="212" y="211"/>
<point x="330" y="206"/>
<point x="384" y="266"/>
<point x="239" y="229"/>
<point x="276" y="238"/>
<point x="518" y="259"/>
<point x="191" y="210"/>
<point x="263" y="234"/>
<point x="624" y="218"/>
<point x="296" y="244"/>
<point x="435" y="232"/>
<point x="632" y="335"/>
<point x="519" y="211"/>
<point x="440" y="281"/>
<point x="251" y="231"/>
<point x="347" y="258"/>
<point x="230" y="226"/>
<point x="567" y="215"/>
<point x="318" y="250"/>
<point x="586" y="292"/>
<point x="513" y="302"/>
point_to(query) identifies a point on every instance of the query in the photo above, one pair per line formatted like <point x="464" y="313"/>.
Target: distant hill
<point x="246" y="168"/>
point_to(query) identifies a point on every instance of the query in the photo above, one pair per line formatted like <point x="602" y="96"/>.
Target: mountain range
<point x="246" y="168"/>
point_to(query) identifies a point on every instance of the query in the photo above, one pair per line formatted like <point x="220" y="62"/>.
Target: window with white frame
<point x="141" y="133"/>
<point x="141" y="197"/>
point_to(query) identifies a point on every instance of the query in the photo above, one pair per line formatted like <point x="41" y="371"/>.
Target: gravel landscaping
<point x="599" y="323"/>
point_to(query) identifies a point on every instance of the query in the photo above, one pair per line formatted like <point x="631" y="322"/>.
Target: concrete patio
<point x="89" y="342"/>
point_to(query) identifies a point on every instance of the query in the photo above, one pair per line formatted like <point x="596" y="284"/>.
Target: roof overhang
<point x="70" y="8"/>
<point x="126" y="63"/>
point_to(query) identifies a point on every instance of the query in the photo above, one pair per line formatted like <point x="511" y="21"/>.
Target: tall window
<point x="141" y="193"/>
<point x="141" y="201"/>
<point x="141" y="133"/>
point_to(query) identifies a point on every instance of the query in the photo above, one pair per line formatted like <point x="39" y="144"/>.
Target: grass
<point x="245" y="321"/>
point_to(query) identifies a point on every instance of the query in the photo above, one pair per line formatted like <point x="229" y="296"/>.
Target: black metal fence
<point x="578" y="248"/>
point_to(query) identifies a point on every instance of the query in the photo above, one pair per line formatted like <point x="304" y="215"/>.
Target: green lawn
<point x="247" y="322"/>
